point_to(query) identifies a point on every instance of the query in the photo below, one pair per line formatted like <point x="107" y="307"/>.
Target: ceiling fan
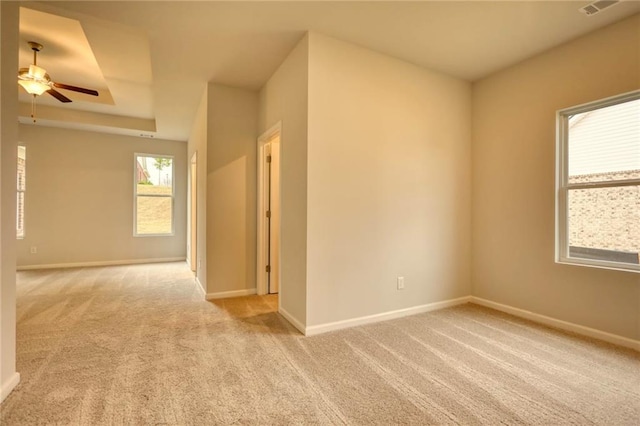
<point x="36" y="81"/>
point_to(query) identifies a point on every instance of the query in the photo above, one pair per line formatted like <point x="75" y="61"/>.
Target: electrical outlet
<point x="34" y="249"/>
<point x="400" y="283"/>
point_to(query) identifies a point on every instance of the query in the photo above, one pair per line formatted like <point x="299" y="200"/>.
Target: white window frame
<point x="135" y="194"/>
<point x="563" y="186"/>
<point x="23" y="191"/>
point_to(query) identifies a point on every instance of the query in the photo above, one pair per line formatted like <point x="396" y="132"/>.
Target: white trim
<point x="232" y="293"/>
<point x="274" y="130"/>
<point x="200" y="287"/>
<point x="9" y="385"/>
<point x="261" y="255"/>
<point x="562" y="155"/>
<point x="23" y="192"/>
<point x="600" y="264"/>
<point x="100" y="263"/>
<point x="369" y="319"/>
<point x="602" y="103"/>
<point x="135" y="194"/>
<point x="532" y="316"/>
<point x="563" y="325"/>
<point x="293" y="320"/>
<point x="563" y="186"/>
<point x="261" y="278"/>
<point x="191" y="224"/>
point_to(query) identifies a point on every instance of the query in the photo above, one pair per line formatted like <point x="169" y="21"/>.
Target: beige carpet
<point x="138" y="345"/>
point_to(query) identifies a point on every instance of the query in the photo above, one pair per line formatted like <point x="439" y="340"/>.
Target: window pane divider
<point x="604" y="184"/>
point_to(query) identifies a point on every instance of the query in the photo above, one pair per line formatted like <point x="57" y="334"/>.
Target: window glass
<point x="153" y="195"/>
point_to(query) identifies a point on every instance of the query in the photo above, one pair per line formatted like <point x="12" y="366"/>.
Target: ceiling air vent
<point x="597" y="6"/>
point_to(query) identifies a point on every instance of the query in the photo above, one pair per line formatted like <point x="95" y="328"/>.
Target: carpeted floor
<point x="138" y="345"/>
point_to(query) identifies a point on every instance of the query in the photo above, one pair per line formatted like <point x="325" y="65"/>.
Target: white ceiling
<point x="156" y="57"/>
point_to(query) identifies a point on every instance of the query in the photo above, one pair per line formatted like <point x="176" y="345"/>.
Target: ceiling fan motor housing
<point x="35" y="46"/>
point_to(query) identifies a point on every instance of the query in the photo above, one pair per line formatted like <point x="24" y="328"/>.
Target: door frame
<point x="261" y="252"/>
<point x="193" y="213"/>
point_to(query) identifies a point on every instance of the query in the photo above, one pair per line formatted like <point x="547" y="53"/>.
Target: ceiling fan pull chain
<point x="33" y="108"/>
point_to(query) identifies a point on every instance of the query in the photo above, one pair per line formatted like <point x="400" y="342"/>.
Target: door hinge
<point x="269" y="213"/>
<point x="268" y="158"/>
<point x="268" y="268"/>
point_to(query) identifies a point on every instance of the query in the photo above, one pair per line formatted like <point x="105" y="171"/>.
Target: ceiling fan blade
<point x="76" y="89"/>
<point x="59" y="96"/>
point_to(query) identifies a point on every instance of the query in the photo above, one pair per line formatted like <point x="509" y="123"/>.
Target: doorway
<point x="193" y="216"/>
<point x="268" y="265"/>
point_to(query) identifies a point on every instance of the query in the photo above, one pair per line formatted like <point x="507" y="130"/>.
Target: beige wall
<point x="388" y="183"/>
<point x="197" y="143"/>
<point x="79" y="198"/>
<point x="232" y="131"/>
<point x="513" y="182"/>
<point x="8" y="156"/>
<point x="284" y="98"/>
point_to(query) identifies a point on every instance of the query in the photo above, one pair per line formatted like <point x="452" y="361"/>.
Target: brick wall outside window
<point x="605" y="218"/>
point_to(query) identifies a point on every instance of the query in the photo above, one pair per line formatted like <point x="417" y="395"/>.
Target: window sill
<point x="612" y="266"/>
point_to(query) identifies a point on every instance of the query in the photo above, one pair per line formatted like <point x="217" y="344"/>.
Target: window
<point x="153" y="189"/>
<point x="598" y="184"/>
<point x="22" y="181"/>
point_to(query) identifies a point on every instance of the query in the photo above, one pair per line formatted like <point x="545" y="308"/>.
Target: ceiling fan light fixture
<point x="34" y="80"/>
<point x="34" y="87"/>
<point x="37" y="73"/>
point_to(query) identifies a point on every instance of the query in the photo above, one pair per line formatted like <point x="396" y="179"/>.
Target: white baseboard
<point x="100" y="263"/>
<point x="563" y="325"/>
<point x="369" y="319"/>
<point x="293" y="320"/>
<point x="9" y="385"/>
<point x="233" y="293"/>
